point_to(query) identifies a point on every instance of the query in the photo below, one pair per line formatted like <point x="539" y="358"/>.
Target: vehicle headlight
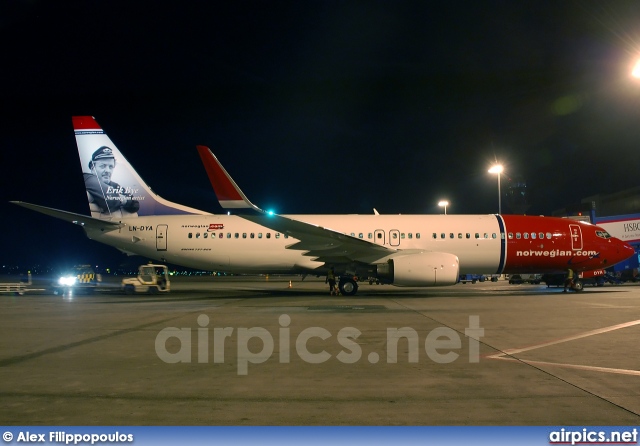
<point x="67" y="280"/>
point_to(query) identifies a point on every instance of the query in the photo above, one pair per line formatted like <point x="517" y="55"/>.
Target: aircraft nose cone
<point x="619" y="252"/>
<point x="627" y="251"/>
<point x="623" y="252"/>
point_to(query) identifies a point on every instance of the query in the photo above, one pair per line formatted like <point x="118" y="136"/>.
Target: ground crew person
<point x="331" y="279"/>
<point x="568" y="281"/>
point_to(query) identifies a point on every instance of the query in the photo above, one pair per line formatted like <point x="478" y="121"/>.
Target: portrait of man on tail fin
<point x="106" y="197"/>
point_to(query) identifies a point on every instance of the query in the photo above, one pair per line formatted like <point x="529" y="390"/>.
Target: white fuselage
<point x="233" y="244"/>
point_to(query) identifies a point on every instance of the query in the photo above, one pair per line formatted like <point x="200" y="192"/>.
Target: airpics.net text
<point x="174" y="345"/>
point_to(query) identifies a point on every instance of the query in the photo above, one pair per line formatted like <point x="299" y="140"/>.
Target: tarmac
<point x="267" y="351"/>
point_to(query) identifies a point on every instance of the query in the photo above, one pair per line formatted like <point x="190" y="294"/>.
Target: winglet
<point x="229" y="194"/>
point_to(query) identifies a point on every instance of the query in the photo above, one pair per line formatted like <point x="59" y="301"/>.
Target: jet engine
<point x="421" y="269"/>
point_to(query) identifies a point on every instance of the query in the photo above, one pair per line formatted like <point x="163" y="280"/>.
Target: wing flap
<point x="322" y="242"/>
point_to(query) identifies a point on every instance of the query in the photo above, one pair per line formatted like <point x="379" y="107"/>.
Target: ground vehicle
<point x="79" y="279"/>
<point x="553" y="279"/>
<point x="473" y="278"/>
<point x="525" y="278"/>
<point x="151" y="279"/>
<point x="17" y="288"/>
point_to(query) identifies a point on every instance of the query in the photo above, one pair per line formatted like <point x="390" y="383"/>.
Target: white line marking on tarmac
<point x="503" y="355"/>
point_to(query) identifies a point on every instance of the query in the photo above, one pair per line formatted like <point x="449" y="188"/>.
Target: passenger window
<point x="533" y="235"/>
<point x="443" y="235"/>
<point x="190" y="235"/>
<point x="394" y="235"/>
<point x="541" y="235"/>
<point x="205" y="235"/>
<point x="486" y="235"/>
<point x="259" y="234"/>
<point x="549" y="235"/>
<point x="268" y="235"/>
<point x="252" y="235"/>
<point x="459" y="234"/>
<point x="379" y="235"/>
<point x="468" y="235"/>
<point x="510" y="235"/>
<point x="228" y="235"/>
<point x="451" y="235"/>
<point x="477" y="235"/>
<point x="197" y="235"/>
<point x="353" y="234"/>
<point x="435" y="235"/>
<point x="518" y="235"/>
<point x="494" y="235"/>
<point x="361" y="235"/>
<point x="221" y="235"/>
<point x="277" y="235"/>
<point x="402" y="235"/>
<point x="526" y="236"/>
<point x="410" y="235"/>
<point x="237" y="235"/>
<point x="418" y="235"/>
<point x="369" y="236"/>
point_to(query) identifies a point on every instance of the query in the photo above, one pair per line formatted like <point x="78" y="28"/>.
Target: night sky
<point x="316" y="106"/>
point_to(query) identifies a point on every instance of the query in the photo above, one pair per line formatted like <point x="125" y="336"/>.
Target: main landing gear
<point x="348" y="286"/>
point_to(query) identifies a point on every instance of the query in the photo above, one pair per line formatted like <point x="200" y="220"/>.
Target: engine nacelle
<point x="421" y="269"/>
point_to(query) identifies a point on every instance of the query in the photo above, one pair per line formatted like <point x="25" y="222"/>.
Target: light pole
<point x="497" y="169"/>
<point x="444" y="203"/>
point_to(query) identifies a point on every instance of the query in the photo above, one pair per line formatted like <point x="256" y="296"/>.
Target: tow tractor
<point x="151" y="279"/>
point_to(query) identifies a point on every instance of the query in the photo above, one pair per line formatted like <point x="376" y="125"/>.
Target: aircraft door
<point x="394" y="237"/>
<point x="378" y="237"/>
<point x="576" y="237"/>
<point x="161" y="237"/>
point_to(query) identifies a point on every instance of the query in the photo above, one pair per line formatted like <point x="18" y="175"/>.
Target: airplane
<point x="402" y="250"/>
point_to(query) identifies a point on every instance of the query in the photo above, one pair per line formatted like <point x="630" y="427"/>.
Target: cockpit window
<point x="603" y="234"/>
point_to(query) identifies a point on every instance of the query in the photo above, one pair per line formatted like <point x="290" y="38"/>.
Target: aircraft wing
<point x="324" y="244"/>
<point x="83" y="220"/>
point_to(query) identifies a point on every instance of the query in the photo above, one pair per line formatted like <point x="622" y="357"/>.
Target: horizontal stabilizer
<point x="78" y="219"/>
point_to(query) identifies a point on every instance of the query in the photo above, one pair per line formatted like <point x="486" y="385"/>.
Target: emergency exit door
<point x="378" y="236"/>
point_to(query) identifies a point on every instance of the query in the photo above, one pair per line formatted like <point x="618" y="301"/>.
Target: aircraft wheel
<point x="578" y="286"/>
<point x="348" y="287"/>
